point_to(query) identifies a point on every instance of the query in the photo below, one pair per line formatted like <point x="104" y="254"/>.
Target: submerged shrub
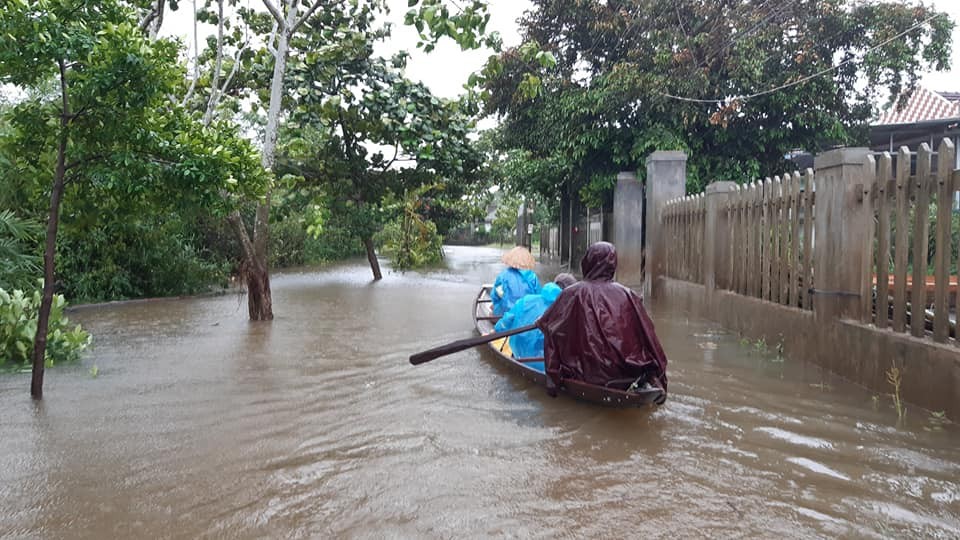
<point x="136" y="258"/>
<point x="411" y="240"/>
<point x="18" y="327"/>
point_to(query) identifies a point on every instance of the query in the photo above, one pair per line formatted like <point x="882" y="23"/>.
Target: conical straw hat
<point x="519" y="257"/>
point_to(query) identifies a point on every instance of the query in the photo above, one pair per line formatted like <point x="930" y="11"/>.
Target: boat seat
<point x="620" y="384"/>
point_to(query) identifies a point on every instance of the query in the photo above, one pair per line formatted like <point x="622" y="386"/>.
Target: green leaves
<point x="18" y="328"/>
<point x="587" y="94"/>
<point x="133" y="156"/>
<point x="411" y="239"/>
<point x="465" y="24"/>
<point x="18" y="265"/>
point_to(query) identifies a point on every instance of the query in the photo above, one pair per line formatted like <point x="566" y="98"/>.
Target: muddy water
<point x="201" y="424"/>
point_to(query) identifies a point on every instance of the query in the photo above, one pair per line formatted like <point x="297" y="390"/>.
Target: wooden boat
<point x="533" y="368"/>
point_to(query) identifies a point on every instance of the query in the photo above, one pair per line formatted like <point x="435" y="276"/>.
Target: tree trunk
<point x="50" y="248"/>
<point x="217" y="66"/>
<point x="372" y="258"/>
<point x="259" y="298"/>
<point x="255" y="272"/>
<point x="153" y="20"/>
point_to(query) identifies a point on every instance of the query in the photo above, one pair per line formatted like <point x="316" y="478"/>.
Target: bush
<point x="136" y="259"/>
<point x="292" y="245"/>
<point x="19" y="266"/>
<point x="334" y="243"/>
<point x="18" y="328"/>
<point x="287" y="241"/>
<point x="411" y="241"/>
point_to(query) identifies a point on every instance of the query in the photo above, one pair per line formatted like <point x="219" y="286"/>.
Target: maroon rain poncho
<point x="598" y="332"/>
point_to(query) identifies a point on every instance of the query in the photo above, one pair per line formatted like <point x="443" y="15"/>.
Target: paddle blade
<point x="457" y="346"/>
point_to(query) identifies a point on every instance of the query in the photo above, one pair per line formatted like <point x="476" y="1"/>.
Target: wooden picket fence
<point x="916" y="280"/>
<point x="902" y="206"/>
<point x="771" y="239"/>
<point x="683" y="222"/>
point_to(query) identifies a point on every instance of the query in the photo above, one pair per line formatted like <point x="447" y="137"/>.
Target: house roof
<point x="952" y="96"/>
<point x="923" y="105"/>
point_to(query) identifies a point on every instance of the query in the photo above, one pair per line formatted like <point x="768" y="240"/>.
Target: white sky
<point x="446" y="69"/>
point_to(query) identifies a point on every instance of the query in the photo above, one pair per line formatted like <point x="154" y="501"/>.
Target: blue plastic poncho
<point x="510" y="286"/>
<point x="526" y="311"/>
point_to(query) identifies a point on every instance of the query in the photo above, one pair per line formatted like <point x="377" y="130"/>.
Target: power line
<point x="804" y="79"/>
<point x="775" y="10"/>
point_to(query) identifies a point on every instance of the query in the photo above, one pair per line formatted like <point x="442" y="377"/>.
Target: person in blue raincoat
<point x="526" y="311"/>
<point x="516" y="281"/>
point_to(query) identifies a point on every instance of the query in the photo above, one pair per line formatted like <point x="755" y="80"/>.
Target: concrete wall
<point x="666" y="180"/>
<point x="836" y="334"/>
<point x="858" y="352"/>
<point x="628" y="229"/>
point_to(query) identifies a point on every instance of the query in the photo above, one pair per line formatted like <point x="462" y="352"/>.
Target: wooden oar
<point x="457" y="346"/>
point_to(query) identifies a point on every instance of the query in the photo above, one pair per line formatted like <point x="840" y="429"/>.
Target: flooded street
<point x="199" y="423"/>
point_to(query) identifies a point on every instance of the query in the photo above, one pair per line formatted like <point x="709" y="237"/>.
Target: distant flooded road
<point x="201" y="424"/>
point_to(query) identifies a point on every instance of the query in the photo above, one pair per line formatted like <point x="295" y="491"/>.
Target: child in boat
<point x="526" y="311"/>
<point x="564" y="280"/>
<point x="516" y="281"/>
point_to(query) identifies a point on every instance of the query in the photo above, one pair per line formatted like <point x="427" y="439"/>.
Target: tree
<point x="736" y="84"/>
<point x="357" y="101"/>
<point x="106" y="124"/>
<point x="294" y="24"/>
<point x="505" y="222"/>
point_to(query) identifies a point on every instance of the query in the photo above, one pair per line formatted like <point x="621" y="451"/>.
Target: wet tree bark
<point x="50" y="247"/>
<point x="254" y="269"/>
<point x="259" y="298"/>
<point x="372" y="258"/>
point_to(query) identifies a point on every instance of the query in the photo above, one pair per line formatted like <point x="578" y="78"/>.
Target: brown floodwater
<point x="201" y="424"/>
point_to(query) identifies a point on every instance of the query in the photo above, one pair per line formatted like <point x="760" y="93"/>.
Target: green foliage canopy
<point x="358" y="119"/>
<point x="773" y="76"/>
<point x="132" y="154"/>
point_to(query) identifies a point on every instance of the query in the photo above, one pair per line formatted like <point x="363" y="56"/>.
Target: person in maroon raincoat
<point x="598" y="332"/>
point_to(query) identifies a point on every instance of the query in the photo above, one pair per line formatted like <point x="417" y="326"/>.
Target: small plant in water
<point x="937" y="420"/>
<point x="761" y="345"/>
<point x="779" y="350"/>
<point x="94" y="371"/>
<point x="894" y="378"/>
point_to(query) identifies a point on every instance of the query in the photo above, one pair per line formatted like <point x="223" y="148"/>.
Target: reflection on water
<point x="202" y="424"/>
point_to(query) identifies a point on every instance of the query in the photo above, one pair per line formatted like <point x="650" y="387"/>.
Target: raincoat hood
<point x="598" y="331"/>
<point x="565" y="280"/>
<point x="550" y="292"/>
<point x="600" y="262"/>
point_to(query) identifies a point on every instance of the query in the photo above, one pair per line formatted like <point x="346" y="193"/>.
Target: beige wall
<point x="855" y="351"/>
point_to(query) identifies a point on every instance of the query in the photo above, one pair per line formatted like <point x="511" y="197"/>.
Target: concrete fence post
<point x="666" y="179"/>
<point x="628" y="229"/>
<point x="842" y="221"/>
<point x="716" y="238"/>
